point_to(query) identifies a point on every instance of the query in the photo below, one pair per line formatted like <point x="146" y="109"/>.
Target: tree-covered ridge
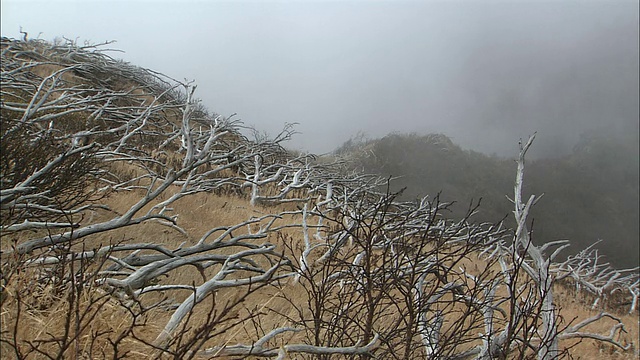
<point x="590" y="194"/>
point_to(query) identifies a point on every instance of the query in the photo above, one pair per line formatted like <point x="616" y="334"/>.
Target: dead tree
<point x="532" y="308"/>
<point x="79" y="126"/>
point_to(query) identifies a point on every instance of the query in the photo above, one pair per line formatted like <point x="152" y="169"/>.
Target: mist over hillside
<point x="483" y="72"/>
<point x="590" y="194"/>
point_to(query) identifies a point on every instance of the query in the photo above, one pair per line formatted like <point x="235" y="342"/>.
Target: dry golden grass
<point x="198" y="214"/>
<point x="44" y="309"/>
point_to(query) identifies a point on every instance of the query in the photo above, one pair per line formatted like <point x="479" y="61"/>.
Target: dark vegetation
<point x="590" y="194"/>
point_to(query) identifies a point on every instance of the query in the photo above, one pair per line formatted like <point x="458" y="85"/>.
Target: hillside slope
<point x="590" y="195"/>
<point x="137" y="224"/>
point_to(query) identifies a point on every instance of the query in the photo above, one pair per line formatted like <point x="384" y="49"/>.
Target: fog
<point x="484" y="73"/>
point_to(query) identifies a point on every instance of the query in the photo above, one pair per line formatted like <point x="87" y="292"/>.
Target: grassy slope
<point x="198" y="214"/>
<point x="202" y="212"/>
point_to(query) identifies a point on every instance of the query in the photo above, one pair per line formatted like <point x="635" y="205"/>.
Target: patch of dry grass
<point x="44" y="313"/>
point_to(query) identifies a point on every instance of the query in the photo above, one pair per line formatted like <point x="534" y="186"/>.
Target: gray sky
<point x="482" y="72"/>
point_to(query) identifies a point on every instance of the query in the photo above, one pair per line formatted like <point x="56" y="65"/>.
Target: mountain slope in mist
<point x="590" y="194"/>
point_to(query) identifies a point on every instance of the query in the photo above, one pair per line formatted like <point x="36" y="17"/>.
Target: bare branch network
<point x="336" y="265"/>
